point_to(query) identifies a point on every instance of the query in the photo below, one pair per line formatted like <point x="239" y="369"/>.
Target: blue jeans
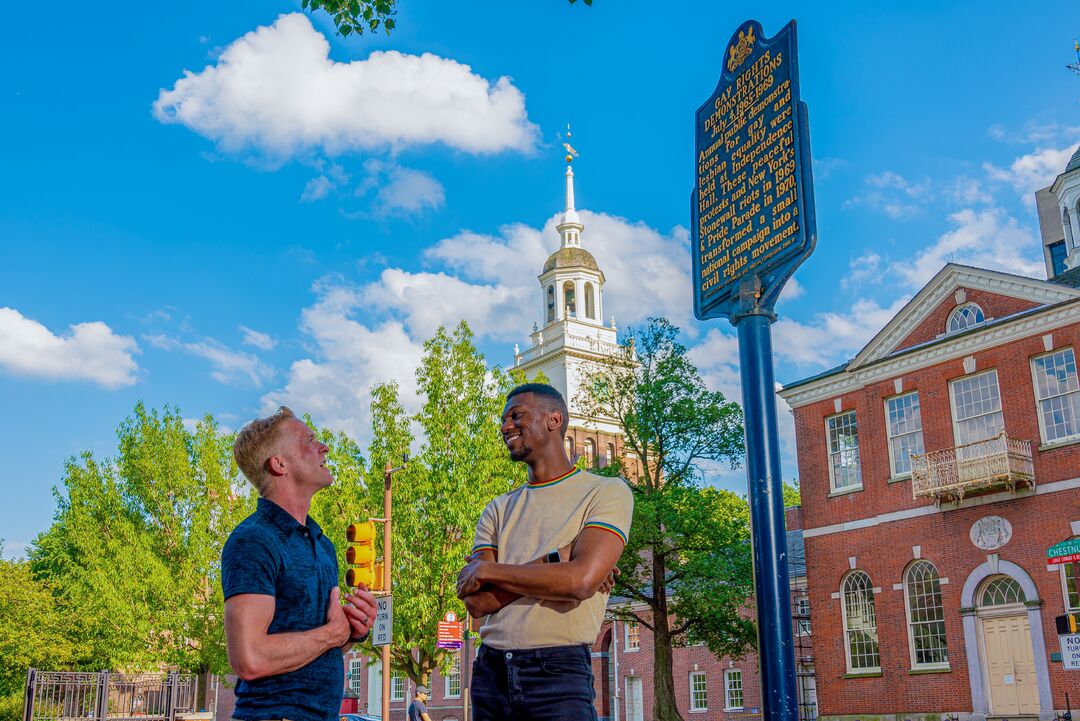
<point x="539" y="684"/>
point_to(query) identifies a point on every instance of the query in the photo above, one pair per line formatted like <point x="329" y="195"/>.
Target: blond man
<point x="285" y="624"/>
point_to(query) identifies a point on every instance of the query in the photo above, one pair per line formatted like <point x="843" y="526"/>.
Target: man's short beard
<point x="521" y="453"/>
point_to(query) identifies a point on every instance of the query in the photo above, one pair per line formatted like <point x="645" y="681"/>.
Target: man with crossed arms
<point x="541" y="569"/>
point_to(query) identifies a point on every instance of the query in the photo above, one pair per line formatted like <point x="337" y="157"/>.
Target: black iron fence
<point x="107" y="696"/>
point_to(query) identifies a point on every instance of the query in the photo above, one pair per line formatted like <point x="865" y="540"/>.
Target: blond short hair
<point x="254" y="445"/>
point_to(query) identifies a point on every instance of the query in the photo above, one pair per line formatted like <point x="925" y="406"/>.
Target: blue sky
<point x="195" y="215"/>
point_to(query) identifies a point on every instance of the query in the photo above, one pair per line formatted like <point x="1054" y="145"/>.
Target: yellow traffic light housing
<point x="360" y="555"/>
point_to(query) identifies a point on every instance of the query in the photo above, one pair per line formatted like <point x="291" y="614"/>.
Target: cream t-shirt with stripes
<point x="528" y="522"/>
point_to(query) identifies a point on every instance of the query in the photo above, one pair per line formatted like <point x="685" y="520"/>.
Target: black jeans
<point x="539" y="684"/>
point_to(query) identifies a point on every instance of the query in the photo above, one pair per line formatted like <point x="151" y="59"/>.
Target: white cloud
<point x="262" y="341"/>
<point x="403" y="192"/>
<point x="792" y="289"/>
<point x="427" y="300"/>
<point x="229" y="365"/>
<point x="348" y="359"/>
<point x="316" y="189"/>
<point x="89" y="351"/>
<point x="892" y="194"/>
<point x="645" y="270"/>
<point x="1034" y="132"/>
<point x="862" y="269"/>
<point x="1032" y="171"/>
<point x="987" y="238"/>
<point x="832" y="337"/>
<point x="276" y="90"/>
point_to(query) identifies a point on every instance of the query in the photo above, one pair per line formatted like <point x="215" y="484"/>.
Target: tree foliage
<point x="688" y="559"/>
<point x="36" y="627"/>
<point x="136" y="544"/>
<point x="356" y="16"/>
<point x="460" y="465"/>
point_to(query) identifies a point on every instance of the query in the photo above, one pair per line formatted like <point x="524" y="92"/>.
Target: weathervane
<point x="570" y="152"/>
<point x="1075" y="67"/>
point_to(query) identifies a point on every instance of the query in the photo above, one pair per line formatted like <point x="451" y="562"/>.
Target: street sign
<point x="752" y="208"/>
<point x="1070" y="651"/>
<point x="383" y="630"/>
<point x="1064" y="552"/>
<point x="449" y="632"/>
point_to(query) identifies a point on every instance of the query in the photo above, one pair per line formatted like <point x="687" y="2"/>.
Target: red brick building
<point x="936" y="468"/>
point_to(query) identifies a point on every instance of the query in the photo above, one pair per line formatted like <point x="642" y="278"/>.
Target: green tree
<point x="461" y="463"/>
<point x="136" y="544"/>
<point x="356" y="16"/>
<point x="792" y="496"/>
<point x="36" y="628"/>
<point x="688" y="559"/>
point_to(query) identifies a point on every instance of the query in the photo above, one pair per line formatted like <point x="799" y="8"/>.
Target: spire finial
<point x="570" y="152"/>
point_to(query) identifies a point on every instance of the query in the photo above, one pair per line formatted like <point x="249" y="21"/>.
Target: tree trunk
<point x="665" y="707"/>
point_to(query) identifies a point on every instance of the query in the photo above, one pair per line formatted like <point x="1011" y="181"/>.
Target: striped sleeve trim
<point x="607" y="527"/>
<point x="484" y="547"/>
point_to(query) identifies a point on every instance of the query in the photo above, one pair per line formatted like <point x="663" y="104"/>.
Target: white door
<point x="1010" y="665"/>
<point x="634" y="710"/>
<point x="374" y="688"/>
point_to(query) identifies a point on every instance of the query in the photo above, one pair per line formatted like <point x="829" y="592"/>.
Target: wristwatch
<point x="553" y="557"/>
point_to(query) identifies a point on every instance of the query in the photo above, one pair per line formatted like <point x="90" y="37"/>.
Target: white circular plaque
<point x="991" y="533"/>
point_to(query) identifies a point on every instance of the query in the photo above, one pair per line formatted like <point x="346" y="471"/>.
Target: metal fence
<point x="107" y="696"/>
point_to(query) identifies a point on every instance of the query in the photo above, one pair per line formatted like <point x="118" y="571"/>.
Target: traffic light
<point x="1068" y="624"/>
<point x="360" y="555"/>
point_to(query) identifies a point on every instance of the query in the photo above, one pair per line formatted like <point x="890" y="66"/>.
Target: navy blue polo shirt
<point x="271" y="554"/>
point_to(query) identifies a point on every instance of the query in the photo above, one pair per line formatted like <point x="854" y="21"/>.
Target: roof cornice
<point x="946" y="349"/>
<point x="940" y="287"/>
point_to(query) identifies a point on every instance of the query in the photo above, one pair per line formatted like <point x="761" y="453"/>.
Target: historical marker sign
<point x="752" y="206"/>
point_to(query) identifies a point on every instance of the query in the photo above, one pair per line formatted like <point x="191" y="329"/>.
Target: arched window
<point x="965" y="316"/>
<point x="568" y="444"/>
<point x="590" y="453"/>
<point x="1066" y="224"/>
<point x="568" y="299"/>
<point x="610" y="454"/>
<point x="1001" y="591"/>
<point x="550" y="303"/>
<point x="590" y="304"/>
<point x="860" y="623"/>
<point x="926" y="616"/>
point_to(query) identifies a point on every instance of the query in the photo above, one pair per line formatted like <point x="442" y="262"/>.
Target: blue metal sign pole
<point x="771" y="577"/>
<point x="753" y="224"/>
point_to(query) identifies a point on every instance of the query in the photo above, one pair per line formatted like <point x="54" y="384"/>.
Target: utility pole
<point x="387" y="503"/>
<point x="388" y="472"/>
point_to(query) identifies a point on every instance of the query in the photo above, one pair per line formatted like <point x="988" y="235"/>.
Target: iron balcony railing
<point x="952" y="473"/>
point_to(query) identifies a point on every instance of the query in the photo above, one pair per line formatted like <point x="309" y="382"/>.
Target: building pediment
<point x="924" y="317"/>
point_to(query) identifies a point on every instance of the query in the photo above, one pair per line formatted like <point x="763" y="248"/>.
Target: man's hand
<point x="609" y="582"/>
<point x="360" y="609"/>
<point x="337" y="623"/>
<point x="470" y="578"/>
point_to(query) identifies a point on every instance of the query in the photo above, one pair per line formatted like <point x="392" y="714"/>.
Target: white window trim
<point x="627" y="648"/>
<point x="833" y="490"/>
<point x="394" y="696"/>
<point x="1038" y="401"/>
<point x="893" y="475"/>
<point x="728" y="672"/>
<point x="446" y="681"/>
<point x="844" y="625"/>
<point x="952" y="402"/>
<point x="355" y="665"/>
<point x="693" y="708"/>
<point x="910" y="629"/>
